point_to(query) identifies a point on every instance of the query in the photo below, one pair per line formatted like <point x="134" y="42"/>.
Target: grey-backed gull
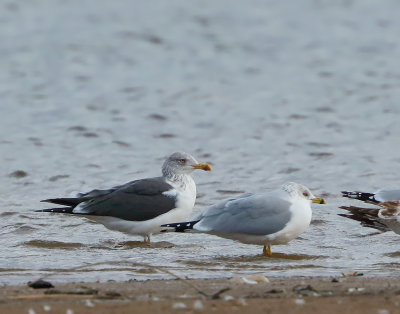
<point x="141" y="206"/>
<point x="275" y="217"/>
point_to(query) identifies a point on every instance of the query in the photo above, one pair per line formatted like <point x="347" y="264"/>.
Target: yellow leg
<point x="267" y="252"/>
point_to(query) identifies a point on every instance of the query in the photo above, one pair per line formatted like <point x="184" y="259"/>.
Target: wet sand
<point x="279" y="295"/>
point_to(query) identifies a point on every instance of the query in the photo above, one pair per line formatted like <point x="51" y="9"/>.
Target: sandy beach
<point x="355" y="294"/>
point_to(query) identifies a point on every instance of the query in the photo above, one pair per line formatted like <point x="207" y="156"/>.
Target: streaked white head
<point x="182" y="163"/>
<point x="297" y="190"/>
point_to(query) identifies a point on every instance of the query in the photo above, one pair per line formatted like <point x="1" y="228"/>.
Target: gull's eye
<point x="306" y="194"/>
<point x="182" y="161"/>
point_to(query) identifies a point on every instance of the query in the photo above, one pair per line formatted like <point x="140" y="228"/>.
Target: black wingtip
<point x="180" y="226"/>
<point x="361" y="196"/>
<point x="50" y="200"/>
<point x="58" y="210"/>
<point x="66" y="201"/>
<point x="349" y="194"/>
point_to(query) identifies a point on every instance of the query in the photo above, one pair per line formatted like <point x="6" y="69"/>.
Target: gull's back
<point x="253" y="214"/>
<point x="387" y="195"/>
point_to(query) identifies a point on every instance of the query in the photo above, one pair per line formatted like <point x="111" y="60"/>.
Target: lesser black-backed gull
<point x="141" y="206"/>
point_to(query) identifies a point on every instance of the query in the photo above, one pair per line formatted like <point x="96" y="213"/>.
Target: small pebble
<point x="46" y="308"/>
<point x="248" y="281"/>
<point x="251" y="280"/>
<point x="228" y="298"/>
<point x="300" y="301"/>
<point x="69" y="311"/>
<point x="351" y="290"/>
<point x="89" y="303"/>
<point x="179" y="306"/>
<point x="40" y="284"/>
<point x="258" y="278"/>
<point x="198" y="305"/>
<point x="383" y="311"/>
<point x="31" y="311"/>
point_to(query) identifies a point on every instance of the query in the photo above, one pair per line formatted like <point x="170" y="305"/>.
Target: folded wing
<point x="136" y="201"/>
<point x="251" y="214"/>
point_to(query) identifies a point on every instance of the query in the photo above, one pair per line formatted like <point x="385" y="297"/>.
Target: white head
<point x="300" y="191"/>
<point x="182" y="163"/>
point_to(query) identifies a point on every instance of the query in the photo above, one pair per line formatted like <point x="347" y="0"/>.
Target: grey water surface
<point x="97" y="93"/>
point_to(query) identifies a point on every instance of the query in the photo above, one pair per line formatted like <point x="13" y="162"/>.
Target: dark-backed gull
<point x="141" y="206"/>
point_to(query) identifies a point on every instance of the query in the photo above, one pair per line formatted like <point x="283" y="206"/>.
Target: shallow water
<point x="94" y="95"/>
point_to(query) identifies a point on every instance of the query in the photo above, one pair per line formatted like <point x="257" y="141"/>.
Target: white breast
<point x="186" y="192"/>
<point x="298" y="223"/>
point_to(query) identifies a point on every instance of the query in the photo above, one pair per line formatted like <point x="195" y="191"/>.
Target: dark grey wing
<point x="254" y="214"/>
<point x="368" y="217"/>
<point x="136" y="201"/>
<point x="83" y="197"/>
<point x="361" y="196"/>
<point x="94" y="193"/>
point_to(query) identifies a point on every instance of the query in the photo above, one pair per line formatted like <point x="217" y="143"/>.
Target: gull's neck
<point x="177" y="177"/>
<point x="180" y="179"/>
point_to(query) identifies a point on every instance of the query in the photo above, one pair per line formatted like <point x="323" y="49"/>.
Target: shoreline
<point x="256" y="294"/>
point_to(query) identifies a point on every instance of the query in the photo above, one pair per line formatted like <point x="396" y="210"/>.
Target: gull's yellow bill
<point x="318" y="200"/>
<point x="202" y="166"/>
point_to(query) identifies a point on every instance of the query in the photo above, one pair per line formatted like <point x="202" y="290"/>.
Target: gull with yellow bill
<point x="141" y="206"/>
<point x="275" y="217"/>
